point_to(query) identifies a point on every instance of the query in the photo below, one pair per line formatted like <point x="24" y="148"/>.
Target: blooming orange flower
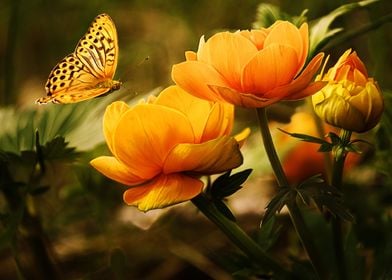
<point x="162" y="147"/>
<point x="251" y="68"/>
<point x="351" y="100"/>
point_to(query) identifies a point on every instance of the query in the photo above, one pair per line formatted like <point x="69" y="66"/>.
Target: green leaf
<point x="335" y="139"/>
<point x="305" y="137"/>
<point x="57" y="149"/>
<point x="325" y="147"/>
<point x="267" y="14"/>
<point x="227" y="184"/>
<point x="324" y="196"/>
<point x="220" y="181"/>
<point x="40" y="156"/>
<point x="351" y="147"/>
<point x="320" y="32"/>
<point x="277" y="202"/>
<point x="224" y="209"/>
<point x="269" y="233"/>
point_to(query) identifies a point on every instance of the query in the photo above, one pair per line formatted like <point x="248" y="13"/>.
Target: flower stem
<point x="239" y="237"/>
<point x="295" y="213"/>
<point x="270" y="148"/>
<point x="336" y="181"/>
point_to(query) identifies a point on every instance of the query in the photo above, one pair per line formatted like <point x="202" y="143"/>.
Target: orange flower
<point x="161" y="148"/>
<point x="351" y="100"/>
<point x="251" y="68"/>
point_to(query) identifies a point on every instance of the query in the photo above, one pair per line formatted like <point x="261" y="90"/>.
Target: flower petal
<point x="274" y="66"/>
<point x="220" y="121"/>
<point x="210" y="157"/>
<point x="110" y="120"/>
<point x="299" y="87"/>
<point x="242" y="136"/>
<point x="257" y="36"/>
<point x="190" y="55"/>
<point x="194" y="77"/>
<point x="115" y="170"/>
<point x="195" y="109"/>
<point x="164" y="191"/>
<point x="242" y="99"/>
<point x="286" y="33"/>
<point x="146" y="134"/>
<point x="228" y="53"/>
<point x="304" y="31"/>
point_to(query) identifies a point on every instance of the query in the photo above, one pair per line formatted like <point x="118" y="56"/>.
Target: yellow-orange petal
<point x="163" y="191"/>
<point x="304" y="32"/>
<point x="243" y="99"/>
<point x="211" y="157"/>
<point x="111" y="117"/>
<point x="274" y="66"/>
<point x="220" y="121"/>
<point x="195" y="109"/>
<point x="257" y="36"/>
<point x="190" y="55"/>
<point x="115" y="170"/>
<point x="286" y="33"/>
<point x="311" y="89"/>
<point x="293" y="90"/>
<point x="194" y="77"/>
<point x="228" y="53"/>
<point x="242" y="136"/>
<point x="146" y="134"/>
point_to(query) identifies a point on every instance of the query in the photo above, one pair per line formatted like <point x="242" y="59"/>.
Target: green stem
<point x="239" y="237"/>
<point x="270" y="148"/>
<point x="321" y="133"/>
<point x="336" y="181"/>
<point x="295" y="214"/>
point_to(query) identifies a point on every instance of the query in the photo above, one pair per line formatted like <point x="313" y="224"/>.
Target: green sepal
<point x="276" y="204"/>
<point x="227" y="184"/>
<point x="324" y="196"/>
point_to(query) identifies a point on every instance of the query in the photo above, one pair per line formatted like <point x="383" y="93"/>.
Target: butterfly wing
<point x="98" y="48"/>
<point x="88" y="72"/>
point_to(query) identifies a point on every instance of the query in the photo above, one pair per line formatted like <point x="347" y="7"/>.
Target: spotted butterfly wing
<point x="88" y="71"/>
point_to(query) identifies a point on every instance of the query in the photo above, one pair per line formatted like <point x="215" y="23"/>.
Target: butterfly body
<point x="87" y="72"/>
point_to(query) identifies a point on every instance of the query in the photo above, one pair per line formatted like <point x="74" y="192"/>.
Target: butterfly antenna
<point x="133" y="67"/>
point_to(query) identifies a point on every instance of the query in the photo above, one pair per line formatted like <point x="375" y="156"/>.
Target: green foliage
<point x="324" y="196"/>
<point x="267" y="14"/>
<point x="269" y="233"/>
<point x="313" y="190"/>
<point x="224" y="186"/>
<point x="338" y="146"/>
<point x="320" y="32"/>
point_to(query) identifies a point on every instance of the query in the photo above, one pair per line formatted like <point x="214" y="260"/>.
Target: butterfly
<point x="88" y="71"/>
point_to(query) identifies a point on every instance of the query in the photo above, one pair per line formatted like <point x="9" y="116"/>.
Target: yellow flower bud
<point x="351" y="100"/>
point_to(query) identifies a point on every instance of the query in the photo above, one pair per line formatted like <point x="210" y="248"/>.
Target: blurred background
<point x="92" y="234"/>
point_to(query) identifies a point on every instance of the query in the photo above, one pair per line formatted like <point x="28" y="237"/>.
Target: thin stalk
<point x="337" y="231"/>
<point x="239" y="237"/>
<point x="295" y="214"/>
<point x="270" y="148"/>
<point x="321" y="133"/>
